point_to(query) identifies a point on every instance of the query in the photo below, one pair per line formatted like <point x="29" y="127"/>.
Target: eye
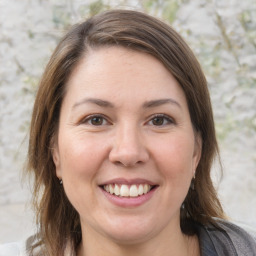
<point x="95" y="120"/>
<point x="161" y="120"/>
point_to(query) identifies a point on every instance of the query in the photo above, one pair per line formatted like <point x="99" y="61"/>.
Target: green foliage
<point x="166" y="9"/>
<point x="225" y="127"/>
<point x="170" y="10"/>
<point x="61" y="17"/>
<point x="248" y="22"/>
<point x="30" y="84"/>
<point x="148" y="4"/>
<point x="31" y="34"/>
<point x="97" y="7"/>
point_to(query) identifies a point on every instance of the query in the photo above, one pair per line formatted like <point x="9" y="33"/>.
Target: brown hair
<point x="58" y="220"/>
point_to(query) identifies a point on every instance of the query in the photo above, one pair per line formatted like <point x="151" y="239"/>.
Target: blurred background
<point x="221" y="33"/>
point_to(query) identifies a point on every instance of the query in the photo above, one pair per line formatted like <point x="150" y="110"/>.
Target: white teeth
<point x="111" y="190"/>
<point x="145" y="188"/>
<point x="141" y="190"/>
<point x="106" y="187"/>
<point x="127" y="191"/>
<point x="133" y="191"/>
<point x="116" y="190"/>
<point x="124" y="190"/>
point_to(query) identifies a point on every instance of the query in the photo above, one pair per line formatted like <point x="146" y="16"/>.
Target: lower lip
<point x="129" y="201"/>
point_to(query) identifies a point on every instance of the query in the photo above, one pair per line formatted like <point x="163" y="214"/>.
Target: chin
<point x="130" y="232"/>
<point x="129" y="238"/>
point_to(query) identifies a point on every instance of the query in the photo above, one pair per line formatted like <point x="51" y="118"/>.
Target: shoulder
<point x="251" y="229"/>
<point x="228" y="238"/>
<point x="239" y="232"/>
<point x="13" y="249"/>
<point x="22" y="248"/>
<point x="31" y="246"/>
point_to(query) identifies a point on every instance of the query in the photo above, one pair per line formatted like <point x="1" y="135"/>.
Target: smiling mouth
<point x="123" y="190"/>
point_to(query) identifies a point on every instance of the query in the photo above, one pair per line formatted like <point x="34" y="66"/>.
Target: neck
<point x="173" y="243"/>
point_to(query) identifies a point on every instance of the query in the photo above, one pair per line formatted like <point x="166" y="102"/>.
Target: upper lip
<point x="128" y="181"/>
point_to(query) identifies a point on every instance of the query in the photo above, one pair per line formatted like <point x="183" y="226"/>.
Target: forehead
<point x="117" y="72"/>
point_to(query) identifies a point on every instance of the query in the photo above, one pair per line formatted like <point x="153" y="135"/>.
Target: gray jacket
<point x="231" y="240"/>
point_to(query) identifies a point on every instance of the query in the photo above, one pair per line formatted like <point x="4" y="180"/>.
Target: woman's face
<point x="126" y="149"/>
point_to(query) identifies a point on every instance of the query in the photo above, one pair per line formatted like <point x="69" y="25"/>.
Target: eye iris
<point x="158" y="121"/>
<point x="97" y="120"/>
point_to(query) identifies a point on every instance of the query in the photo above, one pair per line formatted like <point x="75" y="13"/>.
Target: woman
<point x="121" y="145"/>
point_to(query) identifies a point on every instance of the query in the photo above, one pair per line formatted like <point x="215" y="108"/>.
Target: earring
<point x="61" y="182"/>
<point x="192" y="185"/>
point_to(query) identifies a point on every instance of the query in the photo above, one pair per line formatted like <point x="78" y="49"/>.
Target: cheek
<point x="175" y="159"/>
<point x="79" y="153"/>
<point x="80" y="163"/>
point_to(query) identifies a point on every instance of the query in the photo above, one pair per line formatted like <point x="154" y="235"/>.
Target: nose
<point x="128" y="147"/>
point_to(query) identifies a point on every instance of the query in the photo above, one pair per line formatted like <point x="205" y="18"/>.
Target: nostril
<point x="128" y="157"/>
<point x="126" y="164"/>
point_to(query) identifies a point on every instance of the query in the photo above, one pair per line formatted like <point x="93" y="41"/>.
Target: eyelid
<point x="86" y="119"/>
<point x="170" y="120"/>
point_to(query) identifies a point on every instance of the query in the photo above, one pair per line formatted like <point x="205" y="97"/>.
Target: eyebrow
<point x="107" y="104"/>
<point x="157" y="103"/>
<point x="99" y="102"/>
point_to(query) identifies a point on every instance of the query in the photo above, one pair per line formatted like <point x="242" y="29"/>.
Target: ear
<point x="197" y="151"/>
<point x="56" y="160"/>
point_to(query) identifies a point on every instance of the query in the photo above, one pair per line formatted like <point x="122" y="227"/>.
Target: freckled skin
<point x="127" y="143"/>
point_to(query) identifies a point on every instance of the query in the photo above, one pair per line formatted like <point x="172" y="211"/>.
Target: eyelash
<point x="166" y="120"/>
<point x="90" y="118"/>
